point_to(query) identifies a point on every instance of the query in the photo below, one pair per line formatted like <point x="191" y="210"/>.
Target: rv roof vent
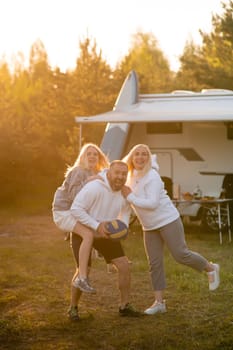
<point x="182" y="92"/>
<point x="216" y="91"/>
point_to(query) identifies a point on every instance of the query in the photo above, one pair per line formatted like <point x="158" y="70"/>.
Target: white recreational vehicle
<point x="190" y="132"/>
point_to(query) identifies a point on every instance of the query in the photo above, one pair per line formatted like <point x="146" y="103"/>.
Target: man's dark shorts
<point x="106" y="247"/>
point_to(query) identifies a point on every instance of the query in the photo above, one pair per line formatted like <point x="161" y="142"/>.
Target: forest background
<point x="38" y="104"/>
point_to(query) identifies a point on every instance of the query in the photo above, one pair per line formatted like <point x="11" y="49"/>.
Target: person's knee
<point x="122" y="264"/>
<point x="83" y="231"/>
<point x="87" y="236"/>
<point x="180" y="257"/>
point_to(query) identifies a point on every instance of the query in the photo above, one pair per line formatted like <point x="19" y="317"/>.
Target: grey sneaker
<point x="73" y="313"/>
<point x="83" y="285"/>
<point x="156" y="308"/>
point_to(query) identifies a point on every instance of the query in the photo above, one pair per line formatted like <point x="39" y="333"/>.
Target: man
<point x="100" y="201"/>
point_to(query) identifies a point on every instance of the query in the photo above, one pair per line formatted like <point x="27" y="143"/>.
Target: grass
<point x="35" y="272"/>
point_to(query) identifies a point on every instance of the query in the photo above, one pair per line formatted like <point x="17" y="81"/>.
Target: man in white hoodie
<point x="98" y="202"/>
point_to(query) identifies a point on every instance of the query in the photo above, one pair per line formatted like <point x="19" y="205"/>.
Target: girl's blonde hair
<point x="129" y="159"/>
<point x="82" y="160"/>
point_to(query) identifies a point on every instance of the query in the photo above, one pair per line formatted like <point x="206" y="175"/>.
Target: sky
<point x="61" y="24"/>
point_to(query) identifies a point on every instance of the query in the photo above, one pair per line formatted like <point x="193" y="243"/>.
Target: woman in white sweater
<point x="161" y="224"/>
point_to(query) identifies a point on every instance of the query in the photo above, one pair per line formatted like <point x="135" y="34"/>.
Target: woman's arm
<point x="74" y="183"/>
<point x="150" y="198"/>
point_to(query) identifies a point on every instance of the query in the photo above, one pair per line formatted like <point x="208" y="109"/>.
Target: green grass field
<point x="36" y="266"/>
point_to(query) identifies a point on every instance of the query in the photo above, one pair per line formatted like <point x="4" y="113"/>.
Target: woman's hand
<point x="126" y="190"/>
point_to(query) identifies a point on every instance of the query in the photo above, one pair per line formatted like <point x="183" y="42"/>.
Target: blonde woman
<point x="161" y="225"/>
<point x="90" y="161"/>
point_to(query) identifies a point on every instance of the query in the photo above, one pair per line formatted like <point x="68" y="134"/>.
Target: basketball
<point x="117" y="229"/>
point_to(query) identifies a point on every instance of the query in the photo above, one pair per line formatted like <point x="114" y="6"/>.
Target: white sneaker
<point x="156" y="308"/>
<point x="214" y="277"/>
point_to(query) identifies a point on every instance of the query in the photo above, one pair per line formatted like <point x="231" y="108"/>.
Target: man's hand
<point x="126" y="190"/>
<point x="102" y="231"/>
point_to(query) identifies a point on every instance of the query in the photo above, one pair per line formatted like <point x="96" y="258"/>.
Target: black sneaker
<point x="73" y="313"/>
<point x="129" y="311"/>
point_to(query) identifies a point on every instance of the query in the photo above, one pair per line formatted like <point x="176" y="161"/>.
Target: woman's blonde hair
<point x="129" y="159"/>
<point x="82" y="160"/>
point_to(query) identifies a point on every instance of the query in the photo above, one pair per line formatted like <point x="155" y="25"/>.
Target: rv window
<point x="164" y="128"/>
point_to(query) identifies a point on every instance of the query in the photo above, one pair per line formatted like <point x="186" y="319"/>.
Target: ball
<point x="117" y="229"/>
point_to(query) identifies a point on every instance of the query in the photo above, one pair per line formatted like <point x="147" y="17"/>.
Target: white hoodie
<point x="150" y="201"/>
<point x="97" y="202"/>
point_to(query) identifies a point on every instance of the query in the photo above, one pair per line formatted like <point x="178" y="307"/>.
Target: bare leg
<point x="75" y="292"/>
<point x="85" y="248"/>
<point x="123" y="268"/>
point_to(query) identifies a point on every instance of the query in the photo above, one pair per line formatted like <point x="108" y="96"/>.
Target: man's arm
<point x="81" y="205"/>
<point x="80" y="210"/>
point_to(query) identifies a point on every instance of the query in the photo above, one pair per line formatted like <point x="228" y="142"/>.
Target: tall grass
<point x="35" y="272"/>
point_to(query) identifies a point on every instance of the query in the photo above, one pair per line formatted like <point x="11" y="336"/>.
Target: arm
<point x="81" y="205"/>
<point x="150" y="197"/>
<point x="74" y="182"/>
<point x="78" y="178"/>
<point x="80" y="209"/>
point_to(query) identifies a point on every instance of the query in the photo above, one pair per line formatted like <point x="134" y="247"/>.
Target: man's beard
<point x="117" y="186"/>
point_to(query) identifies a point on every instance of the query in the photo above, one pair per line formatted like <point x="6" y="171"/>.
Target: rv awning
<point x="176" y="108"/>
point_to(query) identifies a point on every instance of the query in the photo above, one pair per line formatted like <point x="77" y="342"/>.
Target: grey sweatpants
<point x="173" y="235"/>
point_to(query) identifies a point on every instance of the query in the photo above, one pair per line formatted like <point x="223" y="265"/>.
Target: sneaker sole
<point x="151" y="313"/>
<point x="85" y="291"/>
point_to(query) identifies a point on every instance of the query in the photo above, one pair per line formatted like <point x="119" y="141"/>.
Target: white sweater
<point x="150" y="201"/>
<point x="97" y="202"/>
